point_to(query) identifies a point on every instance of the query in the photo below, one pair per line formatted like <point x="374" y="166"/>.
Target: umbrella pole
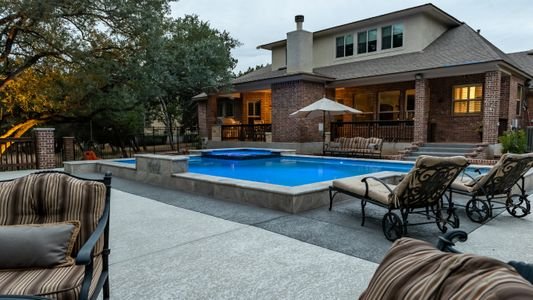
<point x="323" y="132"/>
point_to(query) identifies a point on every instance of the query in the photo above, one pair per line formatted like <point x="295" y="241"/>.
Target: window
<point x="391" y="36"/>
<point x="372" y="40"/>
<point x="519" y="98"/>
<point x="225" y="108"/>
<point x="361" y="42"/>
<point x="344" y="46"/>
<point x="364" y="103"/>
<point x="254" y="108"/>
<point x="409" y="104"/>
<point x="467" y="99"/>
<point x="389" y="105"/>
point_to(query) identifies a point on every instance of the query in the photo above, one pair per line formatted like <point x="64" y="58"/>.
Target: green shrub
<point x="514" y="141"/>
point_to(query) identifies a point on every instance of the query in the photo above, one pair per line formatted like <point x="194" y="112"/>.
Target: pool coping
<point x="171" y="171"/>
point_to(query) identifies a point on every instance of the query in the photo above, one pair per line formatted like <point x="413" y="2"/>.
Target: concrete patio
<point x="172" y="245"/>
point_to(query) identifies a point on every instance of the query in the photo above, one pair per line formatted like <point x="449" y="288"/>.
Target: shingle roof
<point x="524" y="60"/>
<point x="456" y="47"/>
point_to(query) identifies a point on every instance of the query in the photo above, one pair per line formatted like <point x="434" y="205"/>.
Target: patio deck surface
<point x="168" y="244"/>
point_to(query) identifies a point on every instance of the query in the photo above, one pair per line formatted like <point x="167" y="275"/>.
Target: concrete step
<point x="449" y="145"/>
<point x="416" y="153"/>
<point x="446" y="149"/>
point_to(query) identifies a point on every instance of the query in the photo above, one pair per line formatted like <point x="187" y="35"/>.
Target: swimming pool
<point x="290" y="170"/>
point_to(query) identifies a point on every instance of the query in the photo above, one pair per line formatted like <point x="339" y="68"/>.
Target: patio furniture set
<point x="428" y="188"/>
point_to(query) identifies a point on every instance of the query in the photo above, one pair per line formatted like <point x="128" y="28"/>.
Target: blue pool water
<point x="289" y="170"/>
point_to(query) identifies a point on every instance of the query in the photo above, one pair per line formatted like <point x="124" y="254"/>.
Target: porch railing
<point x="245" y="132"/>
<point x="17" y="154"/>
<point x="389" y="131"/>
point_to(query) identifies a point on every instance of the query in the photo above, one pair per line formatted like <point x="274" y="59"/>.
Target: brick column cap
<point x="44" y="129"/>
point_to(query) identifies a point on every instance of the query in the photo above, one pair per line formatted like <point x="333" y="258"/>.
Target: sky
<point x="507" y="24"/>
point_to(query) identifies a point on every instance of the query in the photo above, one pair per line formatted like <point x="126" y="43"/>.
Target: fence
<point x="246" y="132"/>
<point x="390" y="131"/>
<point x="17" y="154"/>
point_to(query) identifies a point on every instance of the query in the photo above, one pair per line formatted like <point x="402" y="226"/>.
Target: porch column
<point x="491" y="106"/>
<point x="513" y="96"/>
<point x="202" y="119"/>
<point x="421" y="111"/>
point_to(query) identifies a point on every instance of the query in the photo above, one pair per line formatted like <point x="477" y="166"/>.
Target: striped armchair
<point x="50" y="197"/>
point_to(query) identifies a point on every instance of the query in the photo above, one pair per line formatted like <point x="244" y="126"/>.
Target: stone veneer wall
<point x="447" y="127"/>
<point x="491" y="106"/>
<point x="287" y="98"/>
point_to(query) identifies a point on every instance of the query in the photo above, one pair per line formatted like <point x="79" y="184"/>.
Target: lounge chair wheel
<point x="392" y="226"/>
<point x="477" y="210"/>
<point x="518" y="205"/>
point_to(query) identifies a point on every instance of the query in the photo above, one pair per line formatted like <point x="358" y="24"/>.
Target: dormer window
<point x="391" y="36"/>
<point x="344" y="46"/>
<point x="367" y="41"/>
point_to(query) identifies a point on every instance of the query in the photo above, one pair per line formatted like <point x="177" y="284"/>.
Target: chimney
<point x="299" y="48"/>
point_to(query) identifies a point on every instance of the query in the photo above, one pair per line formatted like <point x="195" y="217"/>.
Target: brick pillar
<point x="68" y="148"/>
<point x="513" y="96"/>
<point x="44" y="147"/>
<point x="491" y="106"/>
<point x="288" y="97"/>
<point x="421" y="111"/>
<point x="202" y="118"/>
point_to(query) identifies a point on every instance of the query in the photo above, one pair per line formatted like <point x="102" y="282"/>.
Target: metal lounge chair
<point x="497" y="184"/>
<point x="419" y="192"/>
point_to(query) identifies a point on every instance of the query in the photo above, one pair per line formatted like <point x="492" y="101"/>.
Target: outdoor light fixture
<point x="419" y="76"/>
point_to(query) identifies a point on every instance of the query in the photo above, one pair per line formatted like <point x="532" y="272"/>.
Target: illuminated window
<point x="389" y="105"/>
<point x="364" y="103"/>
<point x="467" y="99"/>
<point x="344" y="46"/>
<point x="409" y="104"/>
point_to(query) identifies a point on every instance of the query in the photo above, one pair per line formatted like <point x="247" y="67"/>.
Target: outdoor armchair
<point x="414" y="269"/>
<point x="57" y="230"/>
<point x="497" y="184"/>
<point x="419" y="192"/>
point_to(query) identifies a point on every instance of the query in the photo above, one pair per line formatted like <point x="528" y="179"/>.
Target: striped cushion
<point x="55" y="283"/>
<point x="414" y="269"/>
<point x="53" y="197"/>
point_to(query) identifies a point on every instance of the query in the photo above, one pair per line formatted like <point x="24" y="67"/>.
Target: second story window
<point x="344" y="46"/>
<point x="391" y="36"/>
<point x="367" y="41"/>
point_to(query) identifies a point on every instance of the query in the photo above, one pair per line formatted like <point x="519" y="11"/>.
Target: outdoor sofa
<point x="355" y="146"/>
<point x="414" y="269"/>
<point x="419" y="192"/>
<point x="54" y="236"/>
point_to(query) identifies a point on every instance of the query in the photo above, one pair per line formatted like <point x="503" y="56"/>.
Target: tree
<point x="249" y="70"/>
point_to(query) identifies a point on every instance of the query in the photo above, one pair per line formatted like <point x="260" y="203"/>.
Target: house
<point x="419" y="75"/>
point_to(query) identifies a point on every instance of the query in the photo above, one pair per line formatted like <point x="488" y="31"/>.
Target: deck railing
<point x="17" y="154"/>
<point x="245" y="132"/>
<point x="389" y="131"/>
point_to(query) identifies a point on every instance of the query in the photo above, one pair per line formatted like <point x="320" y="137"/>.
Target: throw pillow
<point x="373" y="146"/>
<point x="37" y="245"/>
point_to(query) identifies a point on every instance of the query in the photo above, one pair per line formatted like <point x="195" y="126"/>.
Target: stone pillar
<point x="288" y="97"/>
<point x="44" y="148"/>
<point x="421" y="111"/>
<point x="491" y="106"/>
<point x="68" y="148"/>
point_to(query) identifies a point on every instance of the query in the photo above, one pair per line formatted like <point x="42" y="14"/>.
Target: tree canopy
<point x="109" y="61"/>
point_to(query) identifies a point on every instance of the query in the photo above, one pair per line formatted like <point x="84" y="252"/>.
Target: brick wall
<point x="211" y="115"/>
<point x="44" y="147"/>
<point x="68" y="148"/>
<point x="202" y="118"/>
<point x="446" y="126"/>
<point x="504" y="97"/>
<point x="491" y="106"/>
<point x="287" y="98"/>
<point x="422" y="107"/>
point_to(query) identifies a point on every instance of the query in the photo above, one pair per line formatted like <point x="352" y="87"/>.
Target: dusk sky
<point x="507" y="24"/>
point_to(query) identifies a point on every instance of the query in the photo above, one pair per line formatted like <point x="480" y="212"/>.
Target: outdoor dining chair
<point x="505" y="181"/>
<point x="419" y="192"/>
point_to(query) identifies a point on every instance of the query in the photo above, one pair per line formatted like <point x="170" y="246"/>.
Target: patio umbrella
<point x="320" y="107"/>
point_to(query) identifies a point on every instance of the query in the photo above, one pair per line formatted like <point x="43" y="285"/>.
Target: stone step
<point x="450" y="145"/>
<point x="441" y="153"/>
<point x="446" y="149"/>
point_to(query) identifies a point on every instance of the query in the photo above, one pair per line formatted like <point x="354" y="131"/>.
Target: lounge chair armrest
<point x="85" y="254"/>
<point x="376" y="179"/>
<point x="447" y="242"/>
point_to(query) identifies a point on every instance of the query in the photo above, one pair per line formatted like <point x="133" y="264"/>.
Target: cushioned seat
<point x="376" y="190"/>
<point x="50" y="197"/>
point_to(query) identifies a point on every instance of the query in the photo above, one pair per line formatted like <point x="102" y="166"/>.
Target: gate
<point x="17" y="154"/>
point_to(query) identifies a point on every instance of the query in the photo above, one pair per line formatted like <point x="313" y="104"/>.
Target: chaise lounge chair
<point x="497" y="184"/>
<point x="419" y="192"/>
<point x="414" y="269"/>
